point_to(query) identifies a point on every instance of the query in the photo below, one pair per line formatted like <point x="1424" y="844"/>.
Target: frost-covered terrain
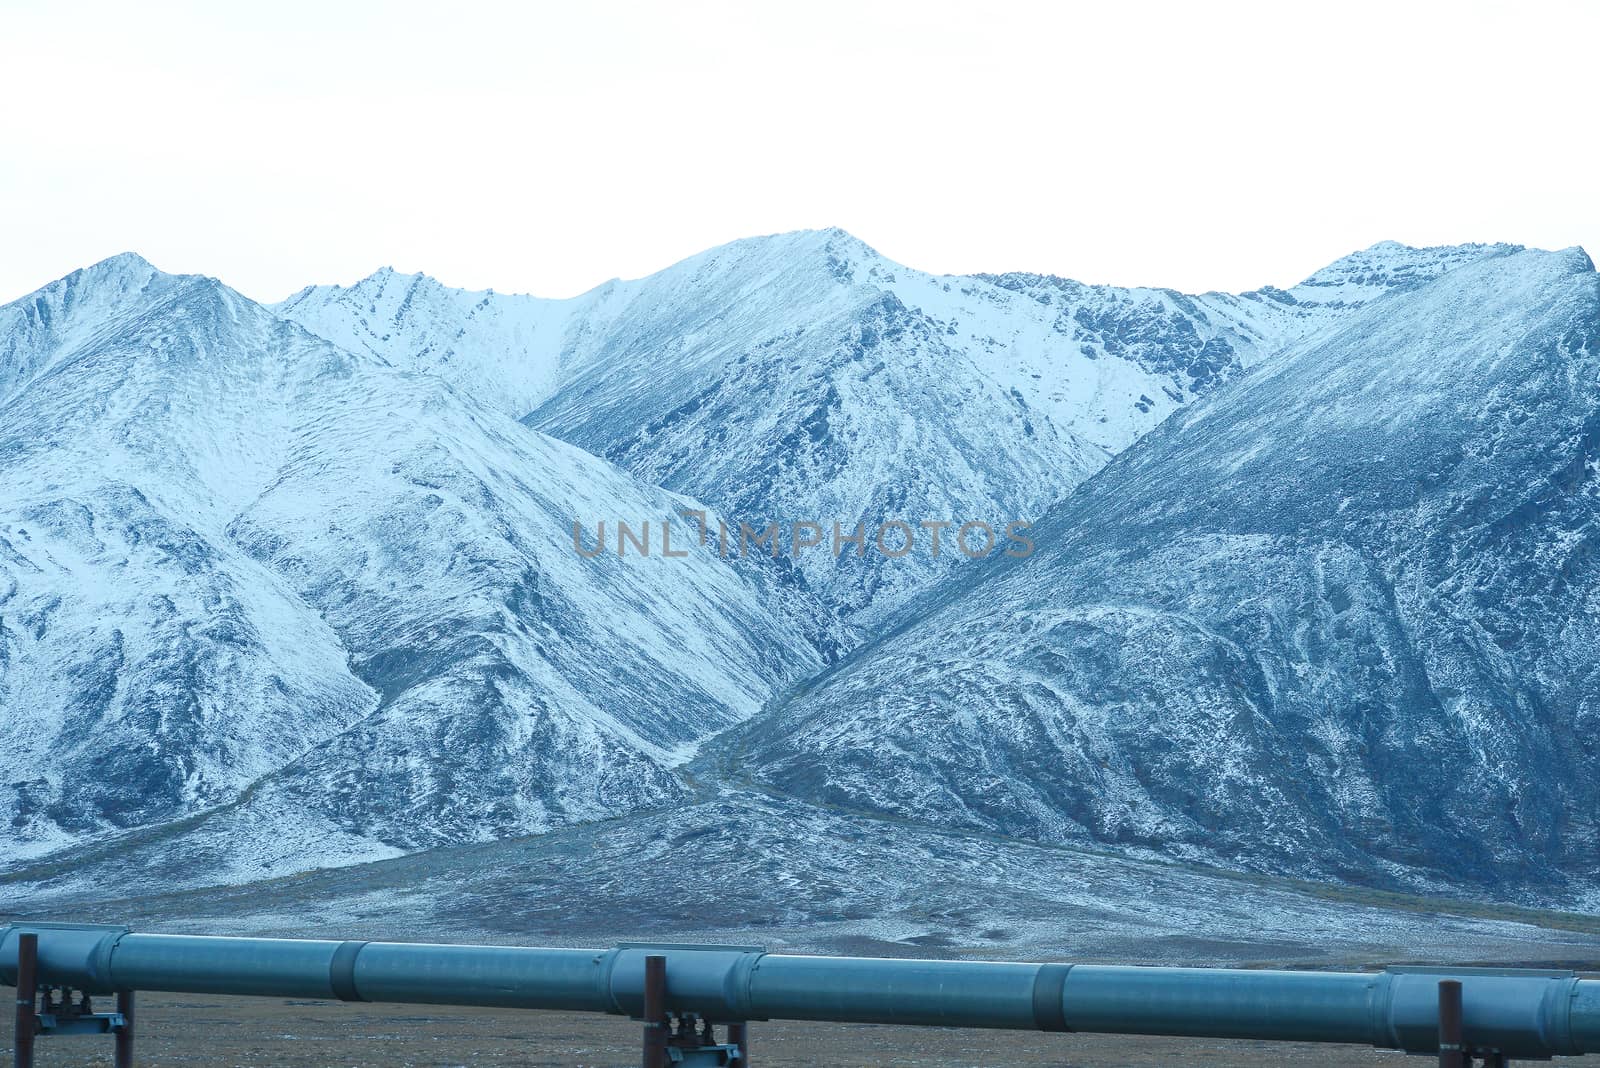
<point x="1315" y="594"/>
<point x="241" y="567"/>
<point x="797" y="878"/>
<point x="1339" y="618"/>
<point x="804" y="377"/>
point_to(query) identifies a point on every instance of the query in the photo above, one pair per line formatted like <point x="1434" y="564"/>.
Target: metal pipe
<point x="27" y="982"/>
<point x="1522" y="1014"/>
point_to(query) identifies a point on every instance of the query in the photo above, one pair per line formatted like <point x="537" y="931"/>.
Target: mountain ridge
<point x="989" y="689"/>
<point x="803" y="376"/>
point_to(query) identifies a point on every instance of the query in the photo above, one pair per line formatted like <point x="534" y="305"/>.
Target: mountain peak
<point x="124" y="266"/>
<point x="383" y="286"/>
<point x="842" y="242"/>
<point x="832" y="242"/>
<point x="384" y="276"/>
<point x="92" y="292"/>
<point x="1389" y="266"/>
<point x="124" y="261"/>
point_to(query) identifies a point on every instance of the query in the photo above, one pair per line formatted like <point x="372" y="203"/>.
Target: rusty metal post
<point x="655" y="1012"/>
<point x="124" y="1049"/>
<point x="1451" y="1054"/>
<point x="739" y="1035"/>
<point x="27" y="998"/>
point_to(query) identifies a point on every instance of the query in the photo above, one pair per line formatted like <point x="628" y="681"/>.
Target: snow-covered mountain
<point x="241" y="567"/>
<point x="276" y="596"/>
<point x="1339" y="618"/>
<point x="147" y="666"/>
<point x="504" y="351"/>
<point x="805" y="377"/>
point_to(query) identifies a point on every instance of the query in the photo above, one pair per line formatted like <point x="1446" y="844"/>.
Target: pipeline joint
<point x="1049" y="1001"/>
<point x="342" y="971"/>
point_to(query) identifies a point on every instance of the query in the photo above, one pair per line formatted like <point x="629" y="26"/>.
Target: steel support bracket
<point x="80" y="1023"/>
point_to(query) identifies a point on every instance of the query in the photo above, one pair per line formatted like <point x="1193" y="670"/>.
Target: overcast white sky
<point x="546" y="148"/>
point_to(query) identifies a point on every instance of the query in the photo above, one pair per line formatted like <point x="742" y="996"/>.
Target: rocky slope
<point x="1337" y="619"/>
<point x="334" y="604"/>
